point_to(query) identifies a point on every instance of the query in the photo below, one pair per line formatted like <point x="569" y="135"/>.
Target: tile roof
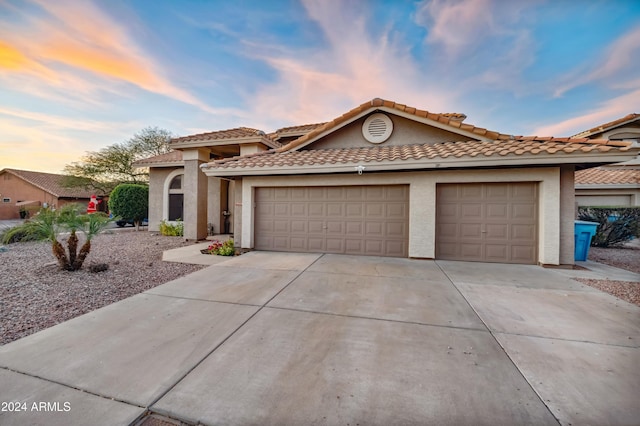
<point x="51" y="183"/>
<point x="168" y="158"/>
<point x="449" y="119"/>
<point x="599" y="175"/>
<point x="530" y="145"/>
<point x="304" y="128"/>
<point x="606" y="126"/>
<point x="229" y="134"/>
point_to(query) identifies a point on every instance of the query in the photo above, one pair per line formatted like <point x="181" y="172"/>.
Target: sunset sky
<point x="76" y="76"/>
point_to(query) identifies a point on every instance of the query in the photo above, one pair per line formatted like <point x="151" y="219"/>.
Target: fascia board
<point x="422" y="164"/>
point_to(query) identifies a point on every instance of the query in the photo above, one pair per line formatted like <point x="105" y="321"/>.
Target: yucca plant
<point x="50" y="224"/>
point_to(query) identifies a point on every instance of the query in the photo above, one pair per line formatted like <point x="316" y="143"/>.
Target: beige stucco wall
<point x="422" y="206"/>
<point x="157" y="188"/>
<point x="405" y="132"/>
<point x="567" y="215"/>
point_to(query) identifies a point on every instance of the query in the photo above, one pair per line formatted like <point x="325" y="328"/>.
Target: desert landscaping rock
<point x="35" y="295"/>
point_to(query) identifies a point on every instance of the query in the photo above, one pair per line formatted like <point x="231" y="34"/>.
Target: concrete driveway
<point x="287" y="339"/>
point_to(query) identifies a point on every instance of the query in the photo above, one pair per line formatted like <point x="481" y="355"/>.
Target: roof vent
<point x="377" y="128"/>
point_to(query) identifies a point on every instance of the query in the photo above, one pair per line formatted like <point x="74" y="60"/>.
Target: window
<point x="176" y="198"/>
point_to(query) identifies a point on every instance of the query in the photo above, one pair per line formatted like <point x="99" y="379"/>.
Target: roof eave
<point x="160" y="164"/>
<point x="422" y="164"/>
<point x="225" y="142"/>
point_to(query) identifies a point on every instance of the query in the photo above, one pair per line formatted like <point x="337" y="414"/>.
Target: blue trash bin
<point x="584" y="232"/>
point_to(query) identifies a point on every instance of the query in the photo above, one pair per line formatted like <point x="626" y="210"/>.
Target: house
<point x="611" y="186"/>
<point x="385" y="179"/>
<point x="23" y="190"/>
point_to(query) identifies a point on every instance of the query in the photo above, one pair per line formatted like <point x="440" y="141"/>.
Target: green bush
<point x="171" y="229"/>
<point x="19" y="234"/>
<point x="130" y="201"/>
<point x="617" y="225"/>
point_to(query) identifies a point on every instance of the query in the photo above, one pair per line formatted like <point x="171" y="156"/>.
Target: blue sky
<point x="76" y="76"/>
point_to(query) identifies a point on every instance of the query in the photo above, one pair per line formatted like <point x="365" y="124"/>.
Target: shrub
<point x="171" y="229"/>
<point x="49" y="224"/>
<point x="221" y="248"/>
<point x="130" y="201"/>
<point x="617" y="225"/>
<point x="19" y="234"/>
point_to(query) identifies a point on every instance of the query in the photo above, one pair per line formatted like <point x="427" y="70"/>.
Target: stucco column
<point x="567" y="215"/>
<point x="237" y="213"/>
<point x="195" y="194"/>
<point x="214" y="197"/>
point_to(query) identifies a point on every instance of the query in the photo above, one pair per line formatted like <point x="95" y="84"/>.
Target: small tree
<point x="130" y="201"/>
<point x="49" y="224"/>
<point x="617" y="225"/>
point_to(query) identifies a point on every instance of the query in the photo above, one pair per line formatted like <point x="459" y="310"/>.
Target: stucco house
<point x="23" y="189"/>
<point x="384" y="179"/>
<point x="616" y="185"/>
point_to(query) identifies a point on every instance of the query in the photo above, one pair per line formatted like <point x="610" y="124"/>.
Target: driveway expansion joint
<point x="110" y="398"/>
<point x="223" y="341"/>
<point x="485" y="330"/>
<point x="491" y="332"/>
<point x="561" y="339"/>
<point x="203" y="300"/>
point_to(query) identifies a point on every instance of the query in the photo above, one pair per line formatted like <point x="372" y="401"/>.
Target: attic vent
<point x="377" y="128"/>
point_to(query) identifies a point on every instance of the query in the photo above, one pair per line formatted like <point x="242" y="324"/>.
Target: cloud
<point x="59" y="122"/>
<point x="603" y="113"/>
<point x="76" y="40"/>
<point x="354" y="65"/>
<point x="618" y="65"/>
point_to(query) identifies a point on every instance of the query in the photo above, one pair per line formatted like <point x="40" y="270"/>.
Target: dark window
<point x="176" y="182"/>
<point x="176" y="204"/>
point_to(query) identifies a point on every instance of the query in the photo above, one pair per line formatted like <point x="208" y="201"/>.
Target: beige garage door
<point x="487" y="222"/>
<point x="366" y="220"/>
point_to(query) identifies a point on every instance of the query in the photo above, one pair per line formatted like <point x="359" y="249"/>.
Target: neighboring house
<point x="608" y="187"/>
<point x="386" y="179"/>
<point x="616" y="185"/>
<point x="27" y="190"/>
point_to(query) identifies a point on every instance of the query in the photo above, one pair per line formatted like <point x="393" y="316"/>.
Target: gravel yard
<point x="35" y="295"/>
<point x="624" y="258"/>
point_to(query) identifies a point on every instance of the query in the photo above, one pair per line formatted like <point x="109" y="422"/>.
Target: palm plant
<point x="50" y="224"/>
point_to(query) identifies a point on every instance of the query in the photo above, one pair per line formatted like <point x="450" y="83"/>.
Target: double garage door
<point x="483" y="222"/>
<point x="364" y="220"/>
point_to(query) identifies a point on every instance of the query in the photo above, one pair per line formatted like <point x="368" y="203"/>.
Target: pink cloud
<point x="352" y="68"/>
<point x="608" y="111"/>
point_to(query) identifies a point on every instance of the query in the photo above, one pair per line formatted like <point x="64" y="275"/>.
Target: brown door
<point x="487" y="222"/>
<point x="366" y="220"/>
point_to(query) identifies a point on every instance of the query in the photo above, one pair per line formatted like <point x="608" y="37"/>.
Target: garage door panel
<point x="375" y="210"/>
<point x="358" y="219"/>
<point x="523" y="232"/>
<point x="497" y="211"/>
<point x="354" y="210"/>
<point x="468" y="211"/>
<point x="491" y="222"/>
<point x="354" y="229"/>
<point x="374" y="229"/>
<point x="395" y="230"/>
<point x="470" y="230"/>
<point x="497" y="231"/>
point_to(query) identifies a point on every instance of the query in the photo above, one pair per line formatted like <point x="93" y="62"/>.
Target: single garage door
<point x="487" y="222"/>
<point x="365" y="220"/>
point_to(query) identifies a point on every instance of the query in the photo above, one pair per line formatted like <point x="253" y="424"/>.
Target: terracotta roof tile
<point x="237" y="133"/>
<point x="513" y="147"/>
<point x="452" y="119"/>
<point x="51" y="183"/>
<point x="169" y="157"/>
<point x="599" y="175"/>
<point x="303" y="128"/>
<point x="606" y="126"/>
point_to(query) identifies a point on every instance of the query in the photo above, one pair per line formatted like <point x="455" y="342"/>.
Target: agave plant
<point x="49" y="224"/>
